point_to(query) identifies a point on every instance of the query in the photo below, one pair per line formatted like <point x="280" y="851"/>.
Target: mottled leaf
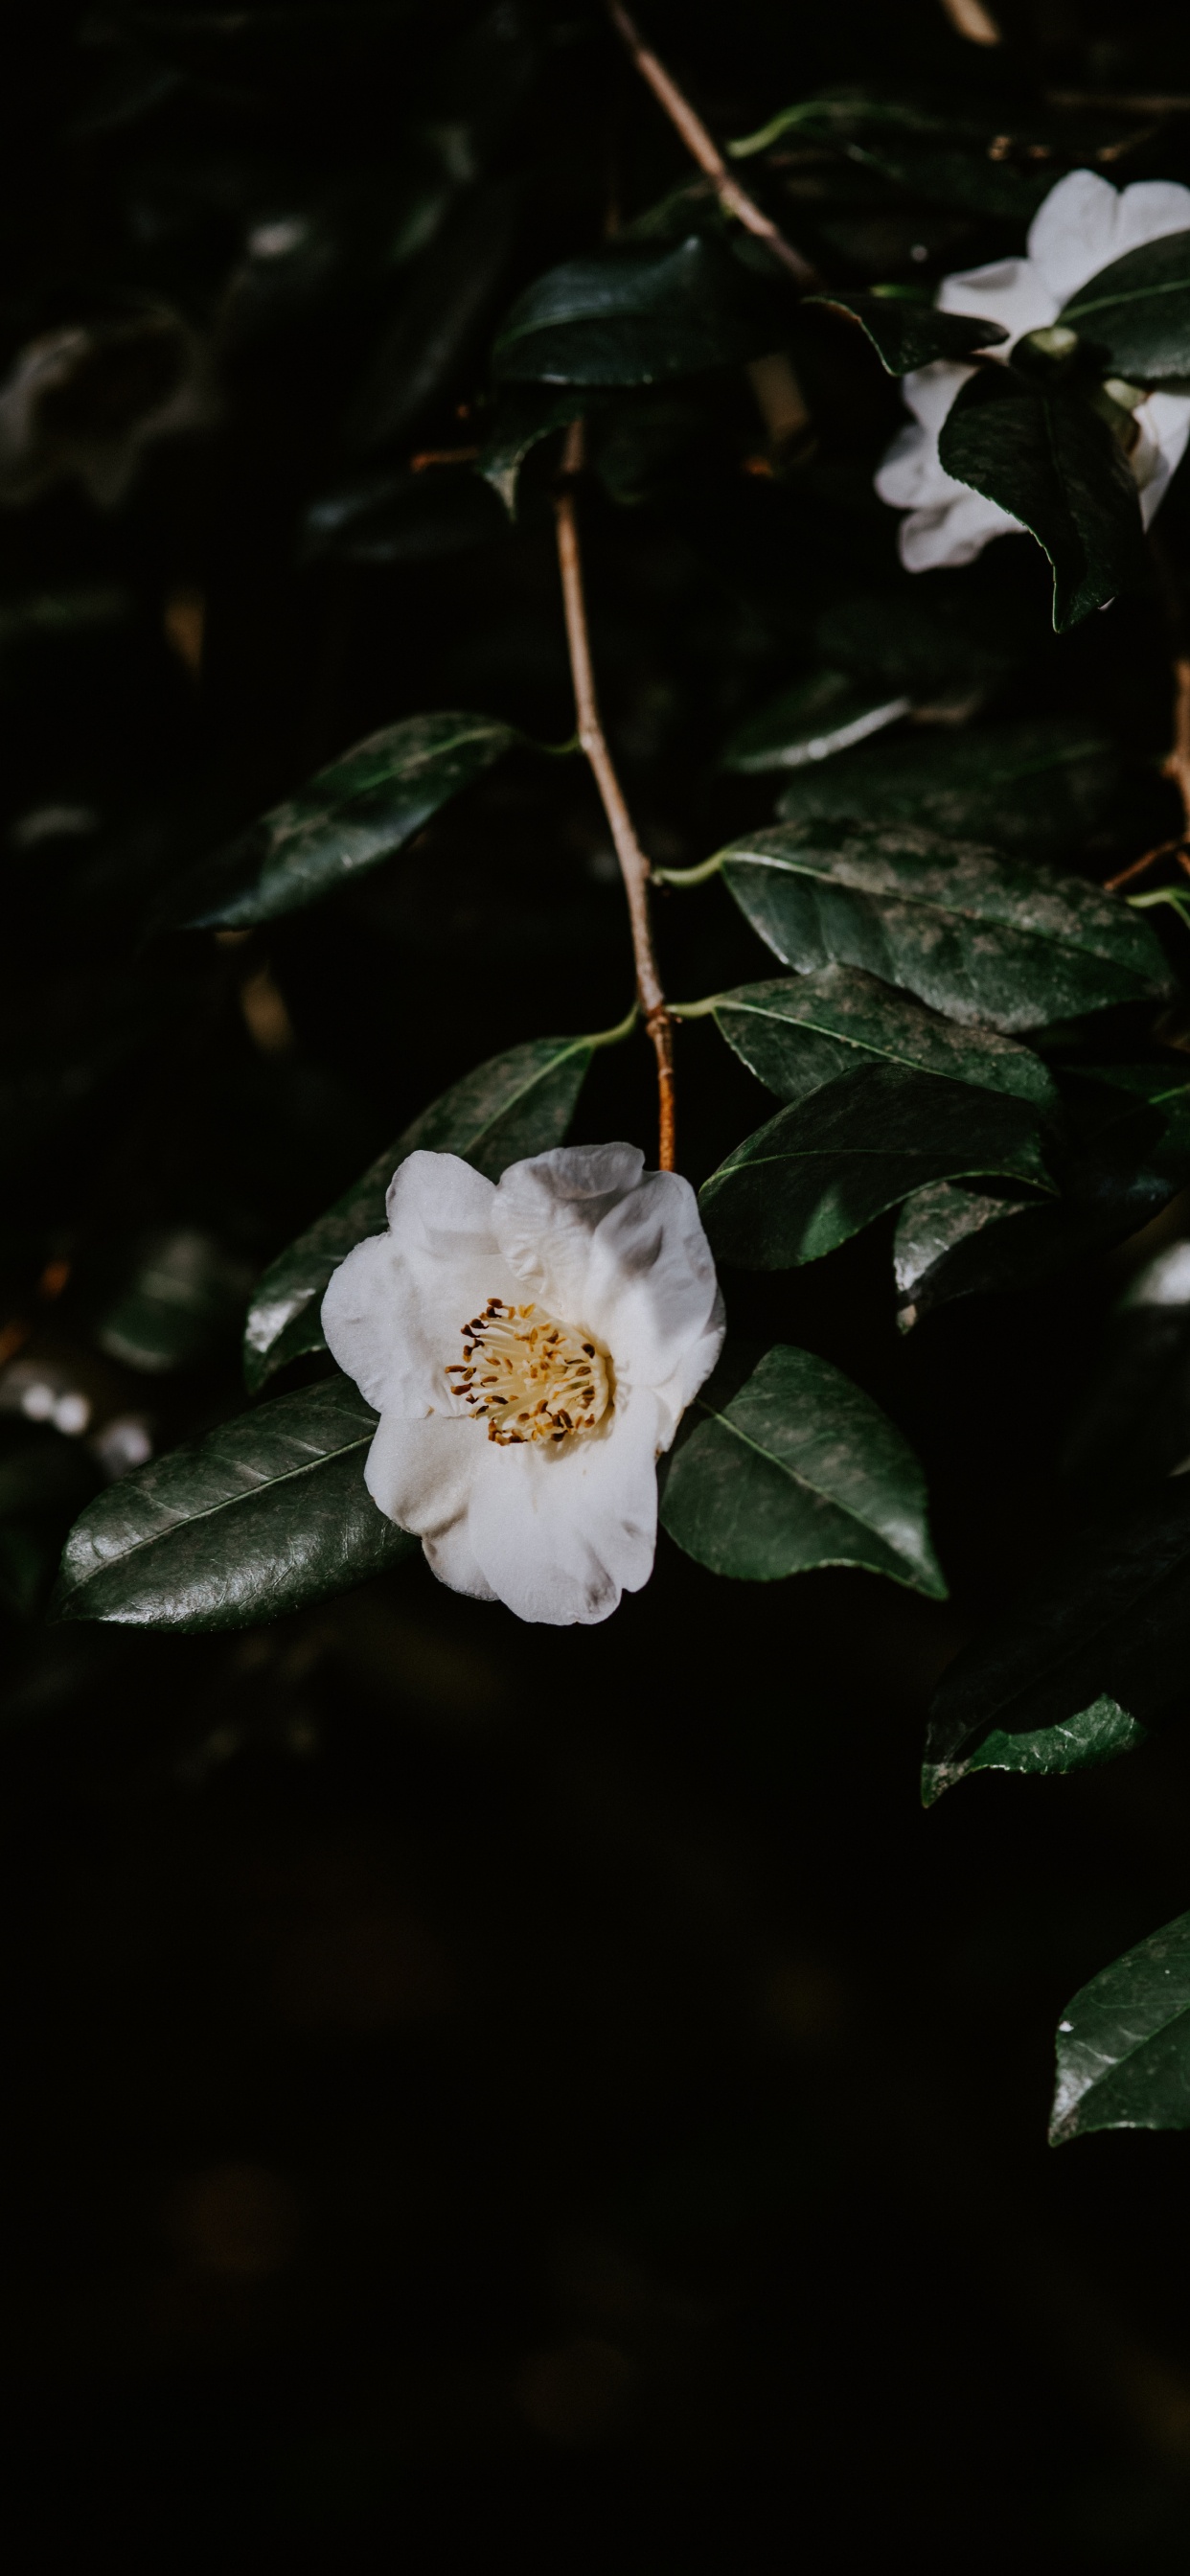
<point x="348" y="818"/>
<point x="819" y="1171"/>
<point x="1123" y="2044"/>
<point x="517" y="1104"/>
<point x="1136" y="313"/>
<point x="635" y="317"/>
<point x="795" y="1032"/>
<point x="907" y="332"/>
<point x="1096" y="1734"/>
<point x="799" y="1468"/>
<point x="266" y="1514"/>
<point x="1037" y="787"/>
<point x="811" y="721"/>
<point x="1109" y="1620"/>
<point x="973" y="932"/>
<point x="1054" y="465"/>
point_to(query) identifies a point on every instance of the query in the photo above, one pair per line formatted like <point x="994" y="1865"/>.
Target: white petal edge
<point x="560" y="1537"/>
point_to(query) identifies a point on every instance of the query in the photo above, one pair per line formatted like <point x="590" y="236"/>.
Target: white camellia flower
<point x="530" y="1346"/>
<point x="1082" y="227"/>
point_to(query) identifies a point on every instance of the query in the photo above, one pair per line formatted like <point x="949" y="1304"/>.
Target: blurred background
<point x="473" y="2087"/>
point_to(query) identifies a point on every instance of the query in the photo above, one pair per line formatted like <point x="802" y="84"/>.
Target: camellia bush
<point x="626" y="596"/>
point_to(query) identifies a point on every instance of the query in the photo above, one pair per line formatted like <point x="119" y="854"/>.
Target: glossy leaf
<point x="1037" y="786"/>
<point x="811" y="721"/>
<point x="635" y="317"/>
<point x="267" y="1514"/>
<point x="1054" y="465"/>
<point x="1136" y="313"/>
<point x="1126" y="1154"/>
<point x="525" y="414"/>
<point x="1123" y="2043"/>
<point x="1097" y="1734"/>
<point x="905" y="331"/>
<point x="348" y="818"/>
<point x="799" y="1468"/>
<point x="821" y="1170"/>
<point x="1108" y="1621"/>
<point x="976" y="934"/>
<point x="517" y="1104"/>
<point x="795" y="1032"/>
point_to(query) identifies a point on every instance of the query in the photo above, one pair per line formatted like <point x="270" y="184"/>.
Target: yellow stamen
<point x="548" y="1380"/>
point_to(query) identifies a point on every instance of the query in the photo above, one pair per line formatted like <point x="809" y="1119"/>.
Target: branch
<point x="702" y="149"/>
<point x="634" y="866"/>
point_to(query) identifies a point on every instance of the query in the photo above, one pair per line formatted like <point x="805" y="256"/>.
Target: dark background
<point x="473" y="2089"/>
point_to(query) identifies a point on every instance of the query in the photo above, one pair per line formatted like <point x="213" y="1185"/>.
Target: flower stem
<point x="732" y="197"/>
<point x="634" y="866"/>
<point x="695" y="1010"/>
<point x="688" y="876"/>
<point x="615" y="1037"/>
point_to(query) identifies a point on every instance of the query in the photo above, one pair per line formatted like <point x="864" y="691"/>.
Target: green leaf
<point x="635" y="317"/>
<point x="183" y="1297"/>
<point x="267" y="1514"/>
<point x="1126" y="1155"/>
<point x="796" y="1032"/>
<point x="1037" y="787"/>
<point x="1136" y="313"/>
<point x="1109" y="1620"/>
<point x="925" y="642"/>
<point x="1053" y="464"/>
<point x="346" y="819"/>
<point x="811" y="721"/>
<point x="402" y="518"/>
<point x="821" y="1170"/>
<point x="1132" y="1422"/>
<point x="905" y="331"/>
<point x="798" y="1469"/>
<point x="976" y="934"/>
<point x="1095" y="1734"/>
<point x="517" y="1104"/>
<point x="1123" y="2044"/>
<point x="525" y="414"/>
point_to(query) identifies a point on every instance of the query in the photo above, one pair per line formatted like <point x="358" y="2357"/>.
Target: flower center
<point x="528" y="1377"/>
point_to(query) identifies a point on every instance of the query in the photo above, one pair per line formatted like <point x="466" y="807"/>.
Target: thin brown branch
<point x="700" y="145"/>
<point x="634" y="866"/>
<point x="1164" y="850"/>
<point x="1176" y="764"/>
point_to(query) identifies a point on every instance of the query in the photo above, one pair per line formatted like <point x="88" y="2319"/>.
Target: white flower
<point x="530" y="1346"/>
<point x="1083" y="225"/>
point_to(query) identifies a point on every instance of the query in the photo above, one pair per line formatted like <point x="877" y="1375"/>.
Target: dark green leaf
<point x="821" y="1170"/>
<point x="1127" y="1154"/>
<point x="811" y="721"/>
<point x="1123" y="2045"/>
<point x="525" y="414"/>
<point x="1132" y="1422"/>
<point x="797" y="1469"/>
<point x="1136" y="313"/>
<point x="968" y="181"/>
<point x="346" y="819"/>
<point x="796" y="1032"/>
<point x="266" y="1514"/>
<point x="976" y="934"/>
<point x="452" y="288"/>
<point x="907" y="332"/>
<point x="1037" y="786"/>
<point x="402" y="518"/>
<point x="924" y="642"/>
<point x="516" y="1104"/>
<point x="1109" y="1620"/>
<point x="634" y="317"/>
<point x="185" y="1295"/>
<point x="1096" y="1734"/>
<point x="1051" y="462"/>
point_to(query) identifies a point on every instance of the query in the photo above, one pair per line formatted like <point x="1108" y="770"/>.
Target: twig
<point x="702" y="149"/>
<point x="634" y="866"/>
<point x="1164" y="850"/>
<point x="969" y="18"/>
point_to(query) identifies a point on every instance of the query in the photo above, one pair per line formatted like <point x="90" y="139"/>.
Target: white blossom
<point x="530" y="1346"/>
<point x="1083" y="225"/>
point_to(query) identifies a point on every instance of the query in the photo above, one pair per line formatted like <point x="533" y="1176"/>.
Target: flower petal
<point x="929" y="391"/>
<point x="912" y="476"/>
<point x="452" y="1558"/>
<point x="1073" y="233"/>
<point x="1164" y="424"/>
<point x="1011" y="291"/>
<point x="422" y="1474"/>
<point x="651" y="1285"/>
<point x="395" y="1308"/>
<point x="560" y="1535"/>
<point x="546" y="1211"/>
<point x="952" y="534"/>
